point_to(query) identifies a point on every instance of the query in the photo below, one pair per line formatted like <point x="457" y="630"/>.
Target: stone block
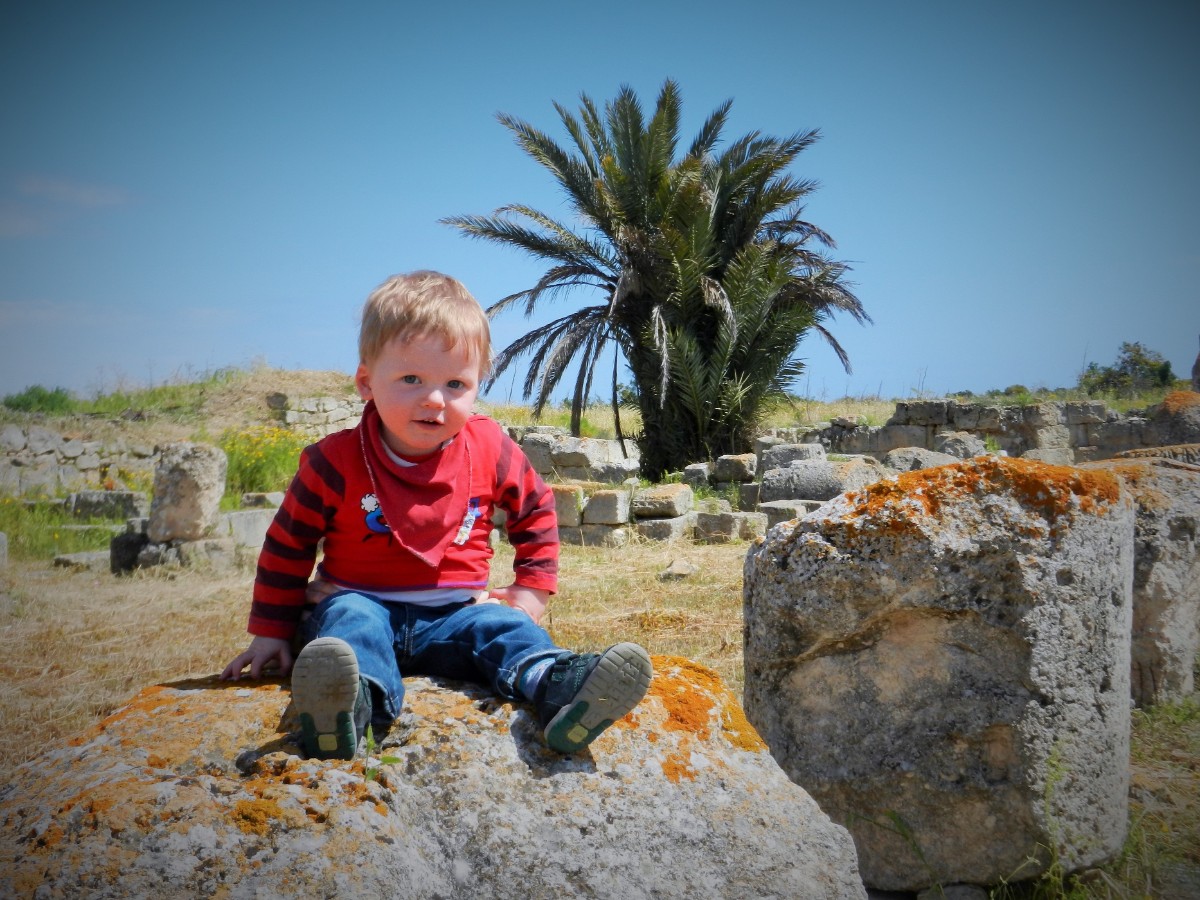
<point x="748" y="493"/>
<point x="1085" y="412"/>
<point x="719" y="528"/>
<point x="907" y="459"/>
<point x="959" y="444"/>
<point x="673" y="529"/>
<point x="1166" y="582"/>
<point x="605" y="535"/>
<point x="3" y="550"/>
<point x="40" y="441"/>
<point x="697" y="473"/>
<point x="188" y="483"/>
<point x="778" y="511"/>
<point x="735" y="467"/>
<point x="893" y="437"/>
<point x="209" y="553"/>
<point x="663" y="501"/>
<point x="1052" y="437"/>
<point x="818" y="480"/>
<point x="570" y="535"/>
<point x="781" y="455"/>
<point x="12" y="438"/>
<point x="246" y="527"/>
<point x="537" y="447"/>
<point x="568" y="504"/>
<point x="608" y="507"/>
<point x="943" y="646"/>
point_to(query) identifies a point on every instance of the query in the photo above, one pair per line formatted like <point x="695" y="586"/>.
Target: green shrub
<point x="261" y="458"/>
<point x="41" y="400"/>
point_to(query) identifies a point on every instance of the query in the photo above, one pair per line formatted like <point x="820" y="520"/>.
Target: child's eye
<point x="411" y="379"/>
<point x="455" y="384"/>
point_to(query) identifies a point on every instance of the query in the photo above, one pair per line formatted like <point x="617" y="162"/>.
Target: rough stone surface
<point x="779" y="511"/>
<point x="1057" y="456"/>
<point x="663" y="501"/>
<point x="188" y="483"/>
<point x="907" y="459"/>
<point x="722" y="527"/>
<point x="568" y="504"/>
<point x="193" y="789"/>
<point x="780" y="455"/>
<point x="607" y="507"/>
<point x="1188" y="453"/>
<point x="951" y="647"/>
<point x="1166" y="580"/>
<point x="735" y="467"/>
<point x="959" y="444"/>
<point x="1177" y="419"/>
<point x="675" y="529"/>
<point x="818" y="479"/>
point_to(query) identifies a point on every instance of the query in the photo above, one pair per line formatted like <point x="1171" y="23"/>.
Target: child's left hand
<point x="528" y="600"/>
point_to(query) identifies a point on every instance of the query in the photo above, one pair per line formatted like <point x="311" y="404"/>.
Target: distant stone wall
<point x="1087" y="429"/>
<point x="35" y="460"/>
<point x="316" y="417"/>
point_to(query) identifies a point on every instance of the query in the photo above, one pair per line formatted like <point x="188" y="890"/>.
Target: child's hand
<point x="528" y="600"/>
<point x="264" y="655"/>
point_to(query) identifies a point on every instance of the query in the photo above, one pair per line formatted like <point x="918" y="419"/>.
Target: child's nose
<point x="434" y="398"/>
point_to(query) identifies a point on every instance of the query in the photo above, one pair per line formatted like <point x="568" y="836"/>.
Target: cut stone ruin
<point x="942" y="660"/>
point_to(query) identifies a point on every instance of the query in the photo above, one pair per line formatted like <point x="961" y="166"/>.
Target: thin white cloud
<point x="36" y="204"/>
<point x="65" y="192"/>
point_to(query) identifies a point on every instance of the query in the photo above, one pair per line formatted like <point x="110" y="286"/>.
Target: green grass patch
<point x="44" y="530"/>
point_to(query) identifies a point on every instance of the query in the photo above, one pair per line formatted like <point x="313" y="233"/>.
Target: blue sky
<point x="187" y="186"/>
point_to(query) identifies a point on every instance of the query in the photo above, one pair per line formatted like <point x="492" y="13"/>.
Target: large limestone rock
<point x="193" y="789"/>
<point x="1177" y="419"/>
<point x="942" y="661"/>
<point x="188" y="483"/>
<point x="1166" y="581"/>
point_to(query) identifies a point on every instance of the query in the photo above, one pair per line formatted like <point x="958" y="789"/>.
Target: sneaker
<point x="584" y="693"/>
<point x="332" y="701"/>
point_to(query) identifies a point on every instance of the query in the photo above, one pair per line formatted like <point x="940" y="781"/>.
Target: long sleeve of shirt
<point x="331" y="505"/>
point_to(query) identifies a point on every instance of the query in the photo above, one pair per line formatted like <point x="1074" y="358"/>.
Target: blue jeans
<point x="486" y="642"/>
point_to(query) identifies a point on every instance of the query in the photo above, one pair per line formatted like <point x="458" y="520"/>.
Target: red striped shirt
<point x="331" y="499"/>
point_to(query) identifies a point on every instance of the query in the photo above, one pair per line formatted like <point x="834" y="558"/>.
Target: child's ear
<point x="362" y="381"/>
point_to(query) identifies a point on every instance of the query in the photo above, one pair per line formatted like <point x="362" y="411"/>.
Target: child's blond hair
<point x="424" y="304"/>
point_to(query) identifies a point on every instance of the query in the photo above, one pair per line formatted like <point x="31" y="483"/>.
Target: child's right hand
<point x="265" y="655"/>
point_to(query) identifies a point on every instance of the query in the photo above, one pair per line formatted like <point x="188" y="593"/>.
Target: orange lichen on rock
<point x="1050" y="491"/>
<point x="1177" y="401"/>
<point x="255" y="816"/>
<point x="676" y="768"/>
<point x="691" y="693"/>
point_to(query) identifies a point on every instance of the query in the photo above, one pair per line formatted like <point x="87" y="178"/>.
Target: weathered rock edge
<point x="195" y="787"/>
<point x="942" y="660"/>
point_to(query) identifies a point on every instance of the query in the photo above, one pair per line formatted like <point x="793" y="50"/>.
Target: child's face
<point x="424" y="392"/>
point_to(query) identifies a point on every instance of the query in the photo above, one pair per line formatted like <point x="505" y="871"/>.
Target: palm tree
<point x="704" y="274"/>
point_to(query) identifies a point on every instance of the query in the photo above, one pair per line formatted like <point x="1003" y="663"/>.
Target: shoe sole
<point x="617" y="684"/>
<point x="324" y="689"/>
